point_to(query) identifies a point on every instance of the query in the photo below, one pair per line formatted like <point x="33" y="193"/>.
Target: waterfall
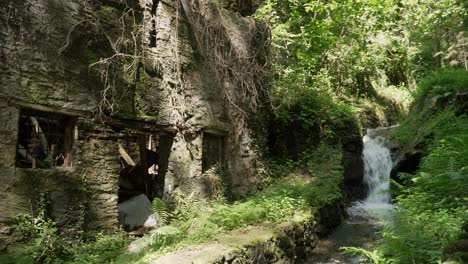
<point x="377" y="167"/>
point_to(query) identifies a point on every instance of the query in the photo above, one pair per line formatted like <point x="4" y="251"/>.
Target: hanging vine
<point x="239" y="71"/>
<point x="123" y="51"/>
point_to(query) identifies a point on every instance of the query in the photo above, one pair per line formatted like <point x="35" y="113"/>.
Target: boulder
<point x="136" y="212"/>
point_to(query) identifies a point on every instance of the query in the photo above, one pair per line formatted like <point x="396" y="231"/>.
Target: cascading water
<point x="365" y="217"/>
<point x="377" y="167"/>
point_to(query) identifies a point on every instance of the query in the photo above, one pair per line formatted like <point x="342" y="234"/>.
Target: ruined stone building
<point x="102" y="100"/>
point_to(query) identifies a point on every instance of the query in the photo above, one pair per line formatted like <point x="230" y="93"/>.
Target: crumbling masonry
<point x="104" y="100"/>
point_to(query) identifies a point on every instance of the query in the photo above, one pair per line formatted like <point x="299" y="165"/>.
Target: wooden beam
<point x="131" y="124"/>
<point x="45" y="144"/>
<point x="217" y="132"/>
<point x="125" y="156"/>
<point x="50" y="109"/>
<point x="142" y="126"/>
<point x="107" y="135"/>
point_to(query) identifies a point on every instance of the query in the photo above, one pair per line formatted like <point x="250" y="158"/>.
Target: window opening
<point x="153" y="32"/>
<point x="213" y="151"/>
<point x="44" y="140"/>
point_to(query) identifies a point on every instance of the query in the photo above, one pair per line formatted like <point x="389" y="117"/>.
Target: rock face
<point x="353" y="165"/>
<point x="125" y="67"/>
<point x="292" y="140"/>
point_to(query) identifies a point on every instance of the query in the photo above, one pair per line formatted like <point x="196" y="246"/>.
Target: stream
<point x="361" y="227"/>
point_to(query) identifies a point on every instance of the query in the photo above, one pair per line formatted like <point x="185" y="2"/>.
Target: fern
<point x="372" y="256"/>
<point x="187" y="207"/>
<point x="165" y="236"/>
<point x="160" y="211"/>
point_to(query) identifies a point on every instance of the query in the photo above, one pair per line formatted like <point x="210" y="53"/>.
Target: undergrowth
<point x="44" y="243"/>
<point x="431" y="206"/>
<point x="295" y="188"/>
<point x="431" y="212"/>
<point x="196" y="221"/>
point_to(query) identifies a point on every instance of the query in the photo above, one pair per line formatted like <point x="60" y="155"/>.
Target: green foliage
<point x="364" y="54"/>
<point x="217" y="182"/>
<point x="45" y="244"/>
<point x="419" y="235"/>
<point x="311" y="109"/>
<point x="100" y="248"/>
<point x="324" y="165"/>
<point x="160" y="211"/>
<point x="196" y="220"/>
<point x="433" y="104"/>
<point x="432" y="207"/>
<point x="431" y="204"/>
<point x="275" y="204"/>
<point x="186" y="207"/>
<point x="441" y="82"/>
<point x="372" y="256"/>
<point x="43" y="241"/>
<point x="165" y="236"/>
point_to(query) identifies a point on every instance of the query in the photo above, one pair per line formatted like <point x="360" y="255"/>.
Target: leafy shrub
<point x="441" y="82"/>
<point x="373" y="256"/>
<point x="313" y="109"/>
<point x="101" y="248"/>
<point x="419" y="236"/>
<point x="43" y="242"/>
<point x="432" y="209"/>
<point x="160" y="211"/>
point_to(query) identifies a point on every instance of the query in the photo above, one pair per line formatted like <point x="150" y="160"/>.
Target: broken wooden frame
<point x="45" y="140"/>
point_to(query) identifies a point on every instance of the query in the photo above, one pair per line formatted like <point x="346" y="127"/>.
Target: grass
<point x="295" y="187"/>
<point x="199" y="221"/>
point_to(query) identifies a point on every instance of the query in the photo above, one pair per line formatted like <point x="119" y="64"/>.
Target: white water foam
<point x="377" y="167"/>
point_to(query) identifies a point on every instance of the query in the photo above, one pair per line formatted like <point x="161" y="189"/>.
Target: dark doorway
<point x="143" y="165"/>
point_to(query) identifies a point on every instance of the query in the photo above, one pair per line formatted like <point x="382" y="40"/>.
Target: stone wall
<point x="96" y="163"/>
<point x="77" y="198"/>
<point x="126" y="62"/>
<point x="11" y="202"/>
<point x="294" y="242"/>
<point x="48" y="47"/>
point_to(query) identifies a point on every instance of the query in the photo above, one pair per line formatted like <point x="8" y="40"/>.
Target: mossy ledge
<point x="287" y="242"/>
